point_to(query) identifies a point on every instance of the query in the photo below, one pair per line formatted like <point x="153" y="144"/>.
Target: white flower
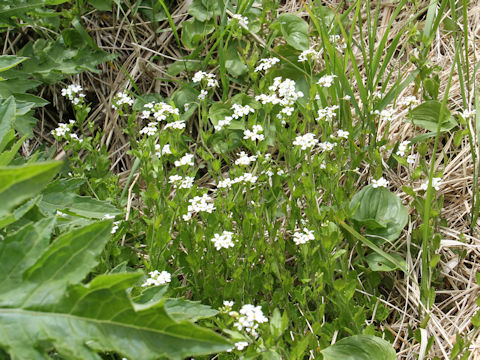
<point x="115" y="227"/>
<point x="342" y="134"/>
<point x="165" y="150"/>
<point x="180" y="124"/>
<point x="326" y="146"/>
<point x="249" y="318"/>
<point x="242" y="20"/>
<point x="382" y="182"/>
<point x="409" y="101"/>
<point x="411" y="159"/>
<point x="305" y="141"/>
<point x="254" y="134"/>
<point x="309" y="53"/>
<point x="402" y="148"/>
<point x="222" y="123"/>
<point x="186" y="159"/>
<point x="436" y="182"/>
<point x="200" y="75"/>
<point x="73" y="93"/>
<point x="326" y="80"/>
<point x="266" y="64"/>
<point x="241" y="111"/>
<point x="157" y="278"/>
<point x="228" y="304"/>
<point x="108" y="217"/>
<point x="61" y="130"/>
<point x="300" y="238"/>
<point x="468" y="113"/>
<point x="327" y="113"/>
<point x="241" y="345"/>
<point x="198" y="204"/>
<point x="150" y="129"/>
<point x="223" y="241"/>
<point x="385" y="115"/>
<point x="121" y="99"/>
<point x="203" y="94"/>
<point x="181" y="183"/>
<point x="244" y="159"/>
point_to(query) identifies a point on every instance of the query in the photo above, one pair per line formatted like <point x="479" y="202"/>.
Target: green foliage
<point x="360" y="347"/>
<point x="294" y="30"/>
<point x="380" y="211"/>
<point x="427" y="116"/>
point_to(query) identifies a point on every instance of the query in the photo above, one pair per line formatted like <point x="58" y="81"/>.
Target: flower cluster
<point x="305" y="141"/>
<point x="281" y="92"/>
<point x="201" y="75"/>
<point x="342" y="134"/>
<point x="244" y="159"/>
<point x="382" y="182"/>
<point x="249" y="318"/>
<point x="402" y="148"/>
<point x="160" y="111"/>
<point x="222" y="123"/>
<point x="245" y="178"/>
<point x="385" y="115"/>
<point x="436" y="182"/>
<point x="409" y="101"/>
<point x="186" y="159"/>
<point x="121" y="99"/>
<point x="309" y="54"/>
<point x="339" y="43"/>
<point x="180" y="182"/>
<point x="159" y="150"/>
<point x="61" y="130"/>
<point x="300" y="238"/>
<point x="254" y="134"/>
<point x="198" y="204"/>
<point x="223" y="241"/>
<point x="73" y="93"/>
<point x="242" y="20"/>
<point x="157" y="278"/>
<point x="326" y="146"/>
<point x="266" y="64"/>
<point x="326" y="80"/>
<point x="327" y="113"/>
<point x="241" y="111"/>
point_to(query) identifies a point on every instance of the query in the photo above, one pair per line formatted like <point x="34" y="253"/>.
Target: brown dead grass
<point x="135" y="43"/>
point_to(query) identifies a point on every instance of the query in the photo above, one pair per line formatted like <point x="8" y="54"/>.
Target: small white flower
<point x="164" y="150"/>
<point x="157" y="278"/>
<point x="309" y="54"/>
<point x="382" y="182"/>
<point x="342" y="134"/>
<point x="186" y="159"/>
<point x="222" y="123"/>
<point x="300" y="238"/>
<point x="61" y="130"/>
<point x="327" y="113"/>
<point x="241" y="345"/>
<point x="409" y="101"/>
<point x="121" y="99"/>
<point x="115" y="227"/>
<point x="305" y="141"/>
<point x="266" y="64"/>
<point x="73" y="93"/>
<point x="326" y="80"/>
<point x="402" y="148"/>
<point x="254" y="134"/>
<point x="411" y="159"/>
<point x="468" y="113"/>
<point x="180" y="124"/>
<point x="228" y="304"/>
<point x="244" y="159"/>
<point x="150" y="129"/>
<point x="436" y="182"/>
<point x="242" y="20"/>
<point x="203" y="94"/>
<point x="241" y="111"/>
<point x="223" y="241"/>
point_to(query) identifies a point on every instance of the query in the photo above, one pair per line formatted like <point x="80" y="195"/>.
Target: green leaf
<point x="102" y="5"/>
<point x="18" y="183"/>
<point x="193" y="31"/>
<point x="43" y="308"/>
<point x="360" y="347"/>
<point x="377" y="262"/>
<point x="234" y="63"/>
<point x="380" y="211"/>
<point x="203" y="11"/>
<point x="427" y="116"/>
<point x="294" y="30"/>
<point x="180" y="309"/>
<point x="9" y="61"/>
<point x="7" y="116"/>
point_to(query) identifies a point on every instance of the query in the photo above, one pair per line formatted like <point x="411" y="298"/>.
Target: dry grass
<point x="136" y="44"/>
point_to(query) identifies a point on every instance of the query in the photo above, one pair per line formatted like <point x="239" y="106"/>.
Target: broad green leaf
<point x="7" y="116"/>
<point x="18" y="183"/>
<point x="203" y="11"/>
<point x="294" y="30"/>
<point x="9" y="61"/>
<point x="180" y="309"/>
<point x="44" y="308"/>
<point x="234" y="63"/>
<point x="193" y="31"/>
<point x="7" y="156"/>
<point x="360" y="347"/>
<point x="183" y="65"/>
<point x="377" y="262"/>
<point x="427" y="116"/>
<point x="380" y="211"/>
<point x="102" y="5"/>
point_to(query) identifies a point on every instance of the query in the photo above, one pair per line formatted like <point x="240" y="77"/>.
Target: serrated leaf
<point x="294" y="30"/>
<point x="44" y="308"/>
<point x="380" y="211"/>
<point x="360" y="347"/>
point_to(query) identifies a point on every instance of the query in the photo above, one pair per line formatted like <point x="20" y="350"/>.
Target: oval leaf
<point x="360" y="347"/>
<point x="427" y="115"/>
<point x="295" y="31"/>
